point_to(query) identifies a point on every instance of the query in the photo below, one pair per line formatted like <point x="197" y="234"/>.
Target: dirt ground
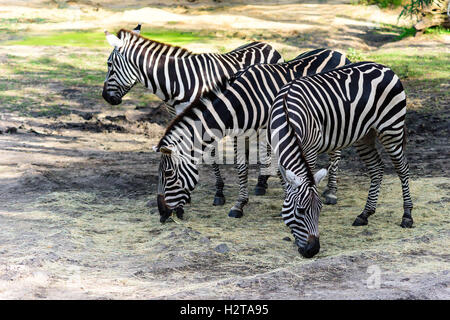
<point x="77" y="187"/>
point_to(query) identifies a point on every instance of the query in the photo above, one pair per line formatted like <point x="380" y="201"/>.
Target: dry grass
<point x="74" y="194"/>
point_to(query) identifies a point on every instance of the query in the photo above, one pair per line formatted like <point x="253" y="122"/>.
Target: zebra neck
<point x="193" y="133"/>
<point x="304" y="139"/>
<point x="158" y="66"/>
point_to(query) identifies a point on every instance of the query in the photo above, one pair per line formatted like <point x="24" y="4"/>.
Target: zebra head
<point x="301" y="209"/>
<point x="121" y="76"/>
<point x="178" y="176"/>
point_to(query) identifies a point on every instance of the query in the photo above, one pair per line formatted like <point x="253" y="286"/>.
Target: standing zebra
<point x="352" y="105"/>
<point x="241" y="106"/>
<point x="176" y="75"/>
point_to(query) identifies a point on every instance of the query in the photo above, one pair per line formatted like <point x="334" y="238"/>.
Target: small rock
<point x="366" y="233"/>
<point x="34" y="132"/>
<point x="86" y="115"/>
<point x="287" y="239"/>
<point x="53" y="256"/>
<point x="204" y="240"/>
<point x="222" y="248"/>
<point x="116" y="118"/>
<point x="152" y="203"/>
<point x="11" y="130"/>
<point x="139" y="273"/>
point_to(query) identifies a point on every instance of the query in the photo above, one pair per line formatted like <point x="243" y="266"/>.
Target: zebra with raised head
<point x="176" y="75"/>
<point x="351" y="105"/>
<point x="240" y="107"/>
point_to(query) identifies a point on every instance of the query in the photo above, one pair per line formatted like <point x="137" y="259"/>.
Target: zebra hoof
<point x="219" y="201"/>
<point x="359" y="221"/>
<point x="330" y="199"/>
<point x="407" y="222"/>
<point x="235" y="214"/>
<point x="179" y="212"/>
<point x="260" y="191"/>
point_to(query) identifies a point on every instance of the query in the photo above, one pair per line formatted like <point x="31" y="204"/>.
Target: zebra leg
<point x="219" y="198"/>
<point x="331" y="188"/>
<point x="237" y="210"/>
<point x="242" y="167"/>
<point x="264" y="166"/>
<point x="368" y="153"/>
<point x="261" y="186"/>
<point x="283" y="185"/>
<point x="394" y="146"/>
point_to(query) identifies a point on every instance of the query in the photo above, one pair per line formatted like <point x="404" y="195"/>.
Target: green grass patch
<point x="379" y="3"/>
<point x="407" y="32"/>
<point x="97" y="38"/>
<point x="437" y="31"/>
<point x="408" y="63"/>
<point x="22" y="20"/>
<point x="415" y="64"/>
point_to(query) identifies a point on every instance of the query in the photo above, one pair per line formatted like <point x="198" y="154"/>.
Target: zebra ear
<point x="113" y="40"/>
<point x="137" y="30"/>
<point x="290" y="177"/>
<point x="320" y="175"/>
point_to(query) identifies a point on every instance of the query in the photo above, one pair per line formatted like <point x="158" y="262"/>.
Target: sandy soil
<point x="77" y="221"/>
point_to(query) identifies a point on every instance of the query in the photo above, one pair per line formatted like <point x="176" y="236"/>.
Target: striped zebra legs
<point x="242" y="167"/>
<point x="219" y="197"/>
<point x="331" y="188"/>
<point x="369" y="155"/>
<point x="394" y="145"/>
<point x="264" y="151"/>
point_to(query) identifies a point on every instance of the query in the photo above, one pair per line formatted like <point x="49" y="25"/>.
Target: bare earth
<point x="75" y="188"/>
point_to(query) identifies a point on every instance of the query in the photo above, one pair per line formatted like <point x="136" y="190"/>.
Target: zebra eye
<point x="168" y="172"/>
<point x="301" y="210"/>
<point x="109" y="64"/>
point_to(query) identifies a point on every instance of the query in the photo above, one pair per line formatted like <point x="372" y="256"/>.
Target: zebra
<point x="176" y="75"/>
<point x="351" y="105"/>
<point x="241" y="106"/>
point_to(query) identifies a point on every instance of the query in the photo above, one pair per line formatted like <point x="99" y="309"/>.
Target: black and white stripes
<point x="176" y="75"/>
<point x="239" y="108"/>
<point x="352" y="105"/>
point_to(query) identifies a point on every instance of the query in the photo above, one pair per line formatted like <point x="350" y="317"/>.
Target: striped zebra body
<point x="352" y="105"/>
<point x="241" y="107"/>
<point x="176" y="75"/>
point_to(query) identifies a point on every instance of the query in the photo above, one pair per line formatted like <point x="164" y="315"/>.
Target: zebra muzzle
<point x="164" y="211"/>
<point x="311" y="248"/>
<point x="113" y="100"/>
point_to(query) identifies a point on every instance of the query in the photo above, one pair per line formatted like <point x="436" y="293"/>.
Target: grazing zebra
<point x="176" y="75"/>
<point x="351" y="105"/>
<point x="241" y="106"/>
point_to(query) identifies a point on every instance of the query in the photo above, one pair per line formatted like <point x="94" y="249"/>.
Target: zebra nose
<point x="311" y="248"/>
<point x="109" y="98"/>
<point x="164" y="211"/>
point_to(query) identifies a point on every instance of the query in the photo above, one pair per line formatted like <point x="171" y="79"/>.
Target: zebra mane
<point x="138" y="36"/>
<point x="309" y="172"/>
<point x="186" y="112"/>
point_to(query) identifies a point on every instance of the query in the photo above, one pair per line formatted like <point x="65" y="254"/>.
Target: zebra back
<point x="178" y="76"/>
